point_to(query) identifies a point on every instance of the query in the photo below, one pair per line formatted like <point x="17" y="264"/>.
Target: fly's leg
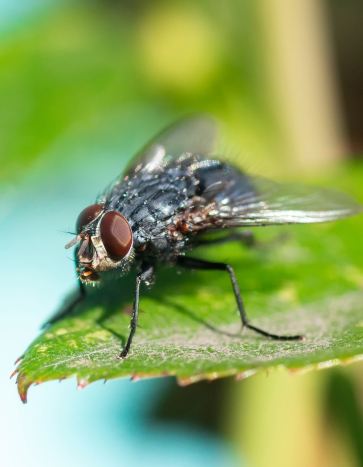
<point x="133" y="325"/>
<point x="143" y="276"/>
<point x="68" y="306"/>
<point x="246" y="237"/>
<point x="200" y="264"/>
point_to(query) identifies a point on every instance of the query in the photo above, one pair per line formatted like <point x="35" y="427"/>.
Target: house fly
<point x="173" y="193"/>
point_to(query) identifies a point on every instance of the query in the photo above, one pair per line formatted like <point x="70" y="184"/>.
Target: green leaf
<point x="309" y="283"/>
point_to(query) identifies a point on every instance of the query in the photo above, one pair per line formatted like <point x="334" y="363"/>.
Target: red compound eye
<point x="116" y="235"/>
<point x="88" y="215"/>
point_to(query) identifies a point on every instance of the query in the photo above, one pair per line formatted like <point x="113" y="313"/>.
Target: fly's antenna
<point x="83" y="247"/>
<point x="73" y="242"/>
<point x="67" y="232"/>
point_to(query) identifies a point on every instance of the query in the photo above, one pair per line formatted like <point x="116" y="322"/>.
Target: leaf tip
<point x="135" y="378"/>
<point x="189" y="380"/>
<point x="18" y="359"/>
<point x="82" y="383"/>
<point x="23" y="385"/>
<point x="245" y="374"/>
<point x="14" y="372"/>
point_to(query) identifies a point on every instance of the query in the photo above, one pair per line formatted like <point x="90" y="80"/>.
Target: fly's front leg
<point x="199" y="264"/>
<point x="144" y="275"/>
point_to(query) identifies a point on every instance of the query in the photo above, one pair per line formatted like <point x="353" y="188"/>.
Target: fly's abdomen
<point x="222" y="183"/>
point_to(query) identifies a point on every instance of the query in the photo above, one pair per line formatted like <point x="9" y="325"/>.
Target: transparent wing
<point x="269" y="202"/>
<point x="193" y="136"/>
<point x="252" y="201"/>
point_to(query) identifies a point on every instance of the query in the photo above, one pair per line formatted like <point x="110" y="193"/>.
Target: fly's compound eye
<point x="116" y="235"/>
<point x="88" y="215"/>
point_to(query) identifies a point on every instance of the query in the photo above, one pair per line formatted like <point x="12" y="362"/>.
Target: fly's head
<point x="105" y="242"/>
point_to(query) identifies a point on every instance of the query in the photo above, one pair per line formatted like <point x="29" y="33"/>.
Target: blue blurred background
<point x="82" y="86"/>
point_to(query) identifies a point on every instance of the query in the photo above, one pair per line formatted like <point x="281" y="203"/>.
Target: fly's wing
<point x="193" y="136"/>
<point x="241" y="200"/>
<point x="273" y="203"/>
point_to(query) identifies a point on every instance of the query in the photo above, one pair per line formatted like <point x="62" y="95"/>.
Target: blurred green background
<point x="80" y="79"/>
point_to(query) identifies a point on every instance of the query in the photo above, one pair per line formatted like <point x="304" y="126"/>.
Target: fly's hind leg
<point x="145" y="274"/>
<point x="193" y="263"/>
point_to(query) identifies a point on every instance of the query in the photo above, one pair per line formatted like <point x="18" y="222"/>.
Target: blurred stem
<point x="344" y="417"/>
<point x="276" y="422"/>
<point x="281" y="419"/>
<point x="301" y="71"/>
